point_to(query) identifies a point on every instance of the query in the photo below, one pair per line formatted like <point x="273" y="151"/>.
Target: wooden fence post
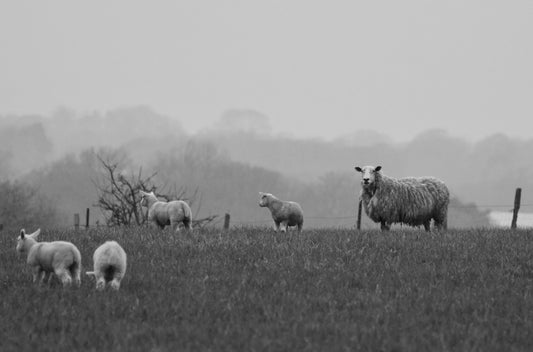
<point x="87" y="219"/>
<point x="77" y="221"/>
<point x="359" y="215"/>
<point x="517" y="196"/>
<point x="226" y="221"/>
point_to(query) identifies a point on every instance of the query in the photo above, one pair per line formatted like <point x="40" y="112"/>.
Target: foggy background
<point x="237" y="97"/>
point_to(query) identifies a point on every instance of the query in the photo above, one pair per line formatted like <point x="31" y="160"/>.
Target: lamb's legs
<point x="77" y="276"/>
<point x="156" y="225"/>
<point x="115" y="283"/>
<point x="187" y="223"/>
<point x="277" y="225"/>
<point x="37" y="274"/>
<point x="385" y="226"/>
<point x="50" y="277"/>
<point x="100" y="284"/>
<point x="64" y="275"/>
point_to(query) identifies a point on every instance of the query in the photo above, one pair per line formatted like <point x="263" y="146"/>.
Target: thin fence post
<point x="517" y="196"/>
<point x="359" y="215"/>
<point x="226" y="221"/>
<point x="87" y="213"/>
<point x="77" y="221"/>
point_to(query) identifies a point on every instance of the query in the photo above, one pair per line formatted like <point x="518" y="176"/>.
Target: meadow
<point x="250" y="289"/>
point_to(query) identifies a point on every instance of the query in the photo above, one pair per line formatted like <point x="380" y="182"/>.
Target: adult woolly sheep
<point x="284" y="213"/>
<point x="59" y="257"/>
<point x="412" y="201"/>
<point x="110" y="263"/>
<point x="167" y="213"/>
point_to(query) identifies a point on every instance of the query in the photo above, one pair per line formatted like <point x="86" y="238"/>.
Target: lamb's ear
<point x="357" y="168"/>
<point x="22" y="233"/>
<point x="35" y="234"/>
<point x="378" y="168"/>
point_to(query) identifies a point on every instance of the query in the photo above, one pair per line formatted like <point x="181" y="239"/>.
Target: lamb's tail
<point x="187" y="218"/>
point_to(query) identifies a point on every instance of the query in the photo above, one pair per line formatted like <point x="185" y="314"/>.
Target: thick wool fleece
<point x="412" y="201"/>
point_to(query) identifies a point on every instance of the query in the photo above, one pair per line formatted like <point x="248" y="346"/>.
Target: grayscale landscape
<point x="214" y="102"/>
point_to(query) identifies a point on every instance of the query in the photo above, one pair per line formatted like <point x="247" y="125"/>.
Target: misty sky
<point x="315" y="68"/>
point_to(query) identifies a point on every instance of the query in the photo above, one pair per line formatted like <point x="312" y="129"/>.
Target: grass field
<point x="250" y="289"/>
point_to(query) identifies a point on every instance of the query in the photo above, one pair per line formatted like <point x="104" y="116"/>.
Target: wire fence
<point x="509" y="208"/>
<point x="265" y="220"/>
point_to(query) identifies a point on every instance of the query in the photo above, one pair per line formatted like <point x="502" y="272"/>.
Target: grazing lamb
<point x="167" y="213"/>
<point x="412" y="201"/>
<point x="109" y="265"/>
<point x="284" y="213"/>
<point x="59" y="257"/>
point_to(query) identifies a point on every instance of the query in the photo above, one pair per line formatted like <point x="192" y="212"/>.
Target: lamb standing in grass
<point x="412" y="201"/>
<point x="109" y="265"/>
<point x="167" y="213"/>
<point x="284" y="213"/>
<point x="59" y="257"/>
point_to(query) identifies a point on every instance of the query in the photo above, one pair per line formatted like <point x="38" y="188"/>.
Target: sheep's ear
<point x="36" y="233"/>
<point x="142" y="193"/>
<point x="22" y="233"/>
<point x="378" y="168"/>
<point x="357" y="168"/>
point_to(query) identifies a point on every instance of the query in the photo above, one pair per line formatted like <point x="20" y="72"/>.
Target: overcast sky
<point x="315" y="68"/>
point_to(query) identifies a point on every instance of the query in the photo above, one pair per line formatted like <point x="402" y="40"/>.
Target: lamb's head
<point x="264" y="199"/>
<point x="25" y="242"/>
<point x="145" y="198"/>
<point x="368" y="175"/>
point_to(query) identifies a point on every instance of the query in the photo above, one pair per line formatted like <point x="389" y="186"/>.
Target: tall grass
<point x="251" y="289"/>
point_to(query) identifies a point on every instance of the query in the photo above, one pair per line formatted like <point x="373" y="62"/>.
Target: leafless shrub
<point x="119" y="198"/>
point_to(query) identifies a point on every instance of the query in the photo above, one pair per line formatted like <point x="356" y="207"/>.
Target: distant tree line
<point x="227" y="167"/>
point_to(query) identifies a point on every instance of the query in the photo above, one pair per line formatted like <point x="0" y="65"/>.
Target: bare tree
<point x="119" y="199"/>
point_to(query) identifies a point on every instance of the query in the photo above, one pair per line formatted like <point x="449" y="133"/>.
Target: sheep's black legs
<point x="385" y="226"/>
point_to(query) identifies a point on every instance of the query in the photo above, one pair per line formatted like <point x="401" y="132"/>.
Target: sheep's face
<point x="264" y="199"/>
<point x="368" y="174"/>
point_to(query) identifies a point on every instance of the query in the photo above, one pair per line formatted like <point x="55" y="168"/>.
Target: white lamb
<point x="59" y="257"/>
<point x="167" y="213"/>
<point x="109" y="265"/>
<point x="284" y="213"/>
